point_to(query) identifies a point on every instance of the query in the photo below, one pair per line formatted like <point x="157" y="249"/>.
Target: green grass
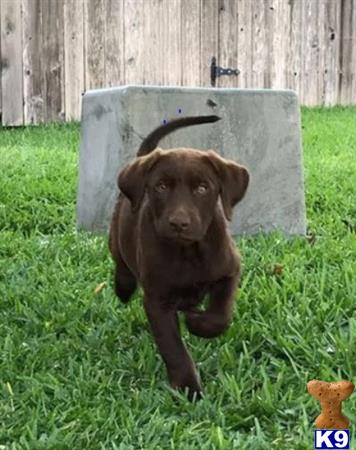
<point x="78" y="370"/>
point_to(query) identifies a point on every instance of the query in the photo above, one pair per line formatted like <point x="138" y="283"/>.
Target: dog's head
<point x="183" y="187"/>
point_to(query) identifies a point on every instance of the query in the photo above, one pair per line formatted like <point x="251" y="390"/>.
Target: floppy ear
<point x="234" y="180"/>
<point x="132" y="179"/>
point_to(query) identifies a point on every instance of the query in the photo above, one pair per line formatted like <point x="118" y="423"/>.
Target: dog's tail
<point x="151" y="141"/>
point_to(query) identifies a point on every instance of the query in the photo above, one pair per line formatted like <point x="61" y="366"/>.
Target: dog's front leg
<point x="165" y="328"/>
<point x="216" y="318"/>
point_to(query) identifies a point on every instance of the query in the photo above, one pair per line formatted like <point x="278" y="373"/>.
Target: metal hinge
<point x="217" y="71"/>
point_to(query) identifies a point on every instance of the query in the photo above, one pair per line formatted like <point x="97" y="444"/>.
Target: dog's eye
<point x="161" y="187"/>
<point x="201" y="189"/>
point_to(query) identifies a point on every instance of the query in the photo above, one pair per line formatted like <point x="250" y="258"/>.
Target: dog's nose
<point x="179" y="222"/>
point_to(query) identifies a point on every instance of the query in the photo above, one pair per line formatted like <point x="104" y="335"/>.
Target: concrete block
<point x="259" y="128"/>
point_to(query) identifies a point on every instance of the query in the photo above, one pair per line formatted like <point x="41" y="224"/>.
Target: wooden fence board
<point x="353" y="54"/>
<point x="259" y="50"/>
<point x="322" y="32"/>
<point x="303" y="45"/>
<point x="52" y="59"/>
<point x="294" y="59"/>
<point x="94" y="37"/>
<point x="190" y="61"/>
<point x="267" y="42"/>
<point x="73" y="57"/>
<point x="244" y="48"/>
<point x="208" y="38"/>
<point x="172" y="42"/>
<point x="227" y="10"/>
<point x="32" y="66"/>
<point x="281" y="42"/>
<point x="153" y="57"/>
<point x="311" y="52"/>
<point x="0" y="70"/>
<point x="331" y="45"/>
<point x="114" y="44"/>
<point x="347" y="42"/>
<point x="11" y="63"/>
<point x="134" y="41"/>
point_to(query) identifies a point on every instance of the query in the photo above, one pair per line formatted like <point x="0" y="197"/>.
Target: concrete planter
<point x="259" y="128"/>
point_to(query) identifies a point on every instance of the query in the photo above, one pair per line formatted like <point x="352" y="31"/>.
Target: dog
<point x="169" y="235"/>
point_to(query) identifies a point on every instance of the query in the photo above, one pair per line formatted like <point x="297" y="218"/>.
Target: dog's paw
<point x="191" y="389"/>
<point x="125" y="291"/>
<point x="193" y="394"/>
<point x="205" y="324"/>
<point x="187" y="382"/>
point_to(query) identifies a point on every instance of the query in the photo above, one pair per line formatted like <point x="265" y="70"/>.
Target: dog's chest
<point x="190" y="266"/>
<point x="188" y="282"/>
<point x="186" y="298"/>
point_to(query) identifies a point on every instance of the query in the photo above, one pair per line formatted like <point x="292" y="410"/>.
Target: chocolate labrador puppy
<point x="169" y="234"/>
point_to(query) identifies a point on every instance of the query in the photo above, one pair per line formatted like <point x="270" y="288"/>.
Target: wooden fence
<point x="54" y="50"/>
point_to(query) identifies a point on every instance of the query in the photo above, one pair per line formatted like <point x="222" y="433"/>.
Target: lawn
<point x="79" y="370"/>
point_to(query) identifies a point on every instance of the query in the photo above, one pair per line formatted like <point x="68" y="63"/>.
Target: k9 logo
<point x="331" y="439"/>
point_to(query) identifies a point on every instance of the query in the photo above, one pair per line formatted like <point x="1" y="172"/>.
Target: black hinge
<point x="217" y="71"/>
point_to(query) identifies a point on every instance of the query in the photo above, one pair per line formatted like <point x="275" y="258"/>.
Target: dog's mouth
<point x="183" y="238"/>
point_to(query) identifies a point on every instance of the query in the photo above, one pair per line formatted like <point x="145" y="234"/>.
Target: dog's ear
<point x="132" y="179"/>
<point x="233" y="178"/>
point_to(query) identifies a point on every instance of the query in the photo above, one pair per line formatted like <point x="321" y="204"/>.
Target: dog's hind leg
<point x="217" y="317"/>
<point x="125" y="283"/>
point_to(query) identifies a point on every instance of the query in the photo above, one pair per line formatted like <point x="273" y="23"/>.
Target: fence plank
<point x="73" y="58"/>
<point x="346" y="66"/>
<point x="190" y="43"/>
<point x="353" y="55"/>
<point x="171" y="42"/>
<point x="153" y="57"/>
<point x="260" y="51"/>
<point x="322" y="32"/>
<point x="32" y="67"/>
<point x="330" y="68"/>
<point x="281" y="42"/>
<point x="208" y="38"/>
<point x="0" y="70"/>
<point x="11" y="71"/>
<point x="310" y="51"/>
<point x="294" y="58"/>
<point x="303" y="44"/>
<point x="52" y="60"/>
<point x="227" y="10"/>
<point x="134" y="41"/>
<point x="244" y="43"/>
<point x="114" y="43"/>
<point x="267" y="42"/>
<point x="94" y="32"/>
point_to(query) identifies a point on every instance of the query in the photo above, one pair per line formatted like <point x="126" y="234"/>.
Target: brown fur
<point x="169" y="234"/>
